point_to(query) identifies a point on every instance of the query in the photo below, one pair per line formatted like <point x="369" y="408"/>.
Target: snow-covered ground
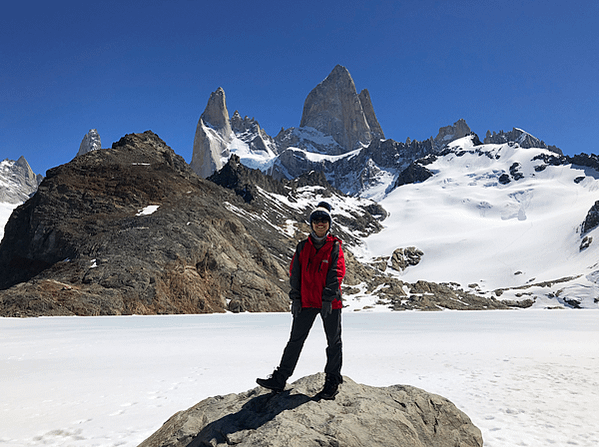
<point x="525" y="378"/>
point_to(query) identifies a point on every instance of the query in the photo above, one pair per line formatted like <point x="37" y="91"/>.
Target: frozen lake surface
<point x="525" y="378"/>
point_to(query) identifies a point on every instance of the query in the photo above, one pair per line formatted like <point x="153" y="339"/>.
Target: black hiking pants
<point x="299" y="332"/>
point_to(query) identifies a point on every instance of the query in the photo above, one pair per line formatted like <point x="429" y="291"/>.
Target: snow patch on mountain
<point x="254" y="159"/>
<point x="6" y="210"/>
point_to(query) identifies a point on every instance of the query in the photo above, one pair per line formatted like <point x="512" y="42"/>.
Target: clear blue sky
<point x="128" y="66"/>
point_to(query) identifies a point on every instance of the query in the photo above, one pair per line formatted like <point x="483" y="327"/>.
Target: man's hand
<point x="296" y="307"/>
<point x="327" y="308"/>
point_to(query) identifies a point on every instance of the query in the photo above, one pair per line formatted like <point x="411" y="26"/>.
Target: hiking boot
<point x="275" y="381"/>
<point x="331" y="388"/>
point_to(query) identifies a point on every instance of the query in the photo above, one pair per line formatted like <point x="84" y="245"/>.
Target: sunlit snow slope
<point x="486" y="235"/>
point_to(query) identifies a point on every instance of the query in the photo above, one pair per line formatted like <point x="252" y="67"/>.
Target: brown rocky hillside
<point x="81" y="245"/>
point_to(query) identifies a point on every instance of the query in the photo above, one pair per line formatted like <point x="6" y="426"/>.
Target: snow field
<point x="474" y="230"/>
<point x="524" y="377"/>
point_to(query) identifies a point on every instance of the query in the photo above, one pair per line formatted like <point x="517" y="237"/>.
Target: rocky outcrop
<point x="402" y="258"/>
<point x="360" y="416"/>
<point x="91" y="142"/>
<point x="334" y="108"/>
<point x="415" y="173"/>
<point x="17" y="181"/>
<point x="592" y="220"/>
<point x="133" y="230"/>
<point x="519" y="136"/>
<point x="212" y="137"/>
<point x="448" y="134"/>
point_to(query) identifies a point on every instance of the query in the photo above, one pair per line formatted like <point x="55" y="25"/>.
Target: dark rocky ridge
<point x="360" y="416"/>
<point x="80" y="247"/>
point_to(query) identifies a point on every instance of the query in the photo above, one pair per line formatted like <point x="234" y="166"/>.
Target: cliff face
<point x="334" y="108"/>
<point x="212" y="137"/>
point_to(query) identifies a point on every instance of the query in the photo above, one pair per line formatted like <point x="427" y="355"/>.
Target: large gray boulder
<point x="361" y="415"/>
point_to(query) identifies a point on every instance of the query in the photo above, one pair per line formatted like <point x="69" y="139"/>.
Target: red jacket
<point x="316" y="275"/>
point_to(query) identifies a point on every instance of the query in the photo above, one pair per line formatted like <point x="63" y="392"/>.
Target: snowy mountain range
<point x="508" y="218"/>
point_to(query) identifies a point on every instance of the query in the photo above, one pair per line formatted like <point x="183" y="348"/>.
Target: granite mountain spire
<point x="213" y="134"/>
<point x="334" y="108"/>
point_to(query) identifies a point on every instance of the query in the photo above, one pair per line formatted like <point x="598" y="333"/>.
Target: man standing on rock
<point x="317" y="270"/>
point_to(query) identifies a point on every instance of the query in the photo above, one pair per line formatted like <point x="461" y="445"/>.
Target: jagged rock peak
<point x="448" y="134"/>
<point x="245" y="181"/>
<point x="334" y="108"/>
<point x="216" y="114"/>
<point x="213" y="133"/>
<point x="91" y="142"/>
<point x="17" y="181"/>
<point x="523" y="138"/>
<point x="23" y="164"/>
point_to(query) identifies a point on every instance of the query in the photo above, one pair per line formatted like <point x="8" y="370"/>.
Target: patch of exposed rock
<point x="402" y="258"/>
<point x="360" y="416"/>
<point x="133" y="230"/>
<point x="415" y="173"/>
<point x="592" y="220"/>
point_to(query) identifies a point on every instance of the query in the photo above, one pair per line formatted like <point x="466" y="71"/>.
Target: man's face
<point x="320" y="226"/>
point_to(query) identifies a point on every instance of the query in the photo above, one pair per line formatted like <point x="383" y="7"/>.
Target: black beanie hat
<point x="322" y="211"/>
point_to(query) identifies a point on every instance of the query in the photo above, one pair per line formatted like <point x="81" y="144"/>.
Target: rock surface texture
<point x="360" y="416"/>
